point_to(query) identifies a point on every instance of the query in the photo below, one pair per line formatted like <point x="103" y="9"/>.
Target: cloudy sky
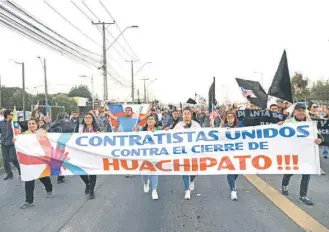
<point x="187" y="41"/>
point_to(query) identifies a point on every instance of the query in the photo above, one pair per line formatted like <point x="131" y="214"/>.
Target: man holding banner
<point x="7" y="146"/>
<point x="299" y="116"/>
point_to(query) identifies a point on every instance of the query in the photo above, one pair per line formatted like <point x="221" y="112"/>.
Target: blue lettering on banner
<point x="78" y="141"/>
<point x="301" y="129"/>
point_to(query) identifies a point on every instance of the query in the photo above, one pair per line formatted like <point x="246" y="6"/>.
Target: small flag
<point x="36" y="106"/>
<point x="248" y="93"/>
<point x="14" y="123"/>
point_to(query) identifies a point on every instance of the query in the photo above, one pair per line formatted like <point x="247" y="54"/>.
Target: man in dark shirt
<point x="7" y="146"/>
<point x="172" y="121"/>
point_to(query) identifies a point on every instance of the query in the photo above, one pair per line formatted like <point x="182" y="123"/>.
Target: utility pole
<point x="104" y="66"/>
<point x="23" y="79"/>
<point x="46" y="84"/>
<point x="138" y="99"/>
<point x="92" y="92"/>
<point x="145" y="79"/>
<point x="132" y="81"/>
<point x="0" y="94"/>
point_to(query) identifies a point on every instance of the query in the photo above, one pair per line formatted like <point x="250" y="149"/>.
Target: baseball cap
<point x="300" y="105"/>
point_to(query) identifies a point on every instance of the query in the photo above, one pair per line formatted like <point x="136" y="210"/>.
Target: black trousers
<point x="29" y="188"/>
<point x="9" y="155"/>
<point x="303" y="184"/>
<point x="90" y="180"/>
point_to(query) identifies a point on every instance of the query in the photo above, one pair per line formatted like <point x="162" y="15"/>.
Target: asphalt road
<point x="122" y="206"/>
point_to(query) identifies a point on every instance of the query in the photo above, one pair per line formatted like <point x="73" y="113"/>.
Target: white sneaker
<point x="192" y="186"/>
<point x="234" y="195"/>
<point x="188" y="195"/>
<point x="155" y="195"/>
<point x="147" y="186"/>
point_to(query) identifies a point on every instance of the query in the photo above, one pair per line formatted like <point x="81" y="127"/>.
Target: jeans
<point x="154" y="180"/>
<point x="187" y="180"/>
<point x="89" y="181"/>
<point x="231" y="178"/>
<point x="303" y="184"/>
<point x="9" y="154"/>
<point x="29" y="188"/>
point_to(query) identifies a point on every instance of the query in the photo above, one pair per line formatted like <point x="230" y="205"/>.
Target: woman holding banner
<point x="188" y="123"/>
<point x="151" y="126"/>
<point x="231" y="121"/>
<point x="33" y="127"/>
<point x="89" y="126"/>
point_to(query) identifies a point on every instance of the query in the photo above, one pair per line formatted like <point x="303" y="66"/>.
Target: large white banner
<point x="268" y="149"/>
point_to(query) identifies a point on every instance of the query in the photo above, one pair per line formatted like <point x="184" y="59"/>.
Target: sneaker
<point x="127" y="176"/>
<point x="306" y="200"/>
<point x="188" y="195"/>
<point x="26" y="205"/>
<point x="191" y="186"/>
<point x="147" y="186"/>
<point x="49" y="194"/>
<point x="8" y="177"/>
<point x="326" y="157"/>
<point x="61" y="181"/>
<point x="87" y="190"/>
<point x="155" y="195"/>
<point x="92" y="195"/>
<point x="234" y="196"/>
<point x="285" y="190"/>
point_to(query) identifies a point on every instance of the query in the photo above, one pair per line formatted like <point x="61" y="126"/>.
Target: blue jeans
<point x="231" y="178"/>
<point x="186" y="180"/>
<point x="154" y="181"/>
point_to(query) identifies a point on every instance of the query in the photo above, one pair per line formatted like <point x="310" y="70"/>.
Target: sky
<point x="188" y="42"/>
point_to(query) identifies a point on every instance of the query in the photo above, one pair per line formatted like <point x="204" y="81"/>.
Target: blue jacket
<point x="7" y="133"/>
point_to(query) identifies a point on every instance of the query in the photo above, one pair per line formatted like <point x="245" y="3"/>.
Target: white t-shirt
<point x="181" y="124"/>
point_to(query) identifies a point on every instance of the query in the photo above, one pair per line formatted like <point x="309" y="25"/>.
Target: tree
<point x="80" y="91"/>
<point x="64" y="100"/>
<point x="320" y="91"/>
<point x="299" y="85"/>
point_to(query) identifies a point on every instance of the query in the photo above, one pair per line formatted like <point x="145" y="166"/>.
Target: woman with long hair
<point x="187" y="123"/>
<point x="89" y="126"/>
<point x="151" y="126"/>
<point x="230" y="120"/>
<point x="33" y="127"/>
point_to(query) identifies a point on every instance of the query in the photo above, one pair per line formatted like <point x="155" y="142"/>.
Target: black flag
<point x="191" y="101"/>
<point x="254" y="92"/>
<point x="281" y="85"/>
<point x="211" y="97"/>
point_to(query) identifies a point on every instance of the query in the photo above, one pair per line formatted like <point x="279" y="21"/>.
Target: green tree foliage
<point x="80" y="91"/>
<point x="64" y="100"/>
<point x="299" y="85"/>
<point x="320" y="91"/>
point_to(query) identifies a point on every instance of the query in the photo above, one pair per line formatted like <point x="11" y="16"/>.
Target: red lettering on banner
<point x="160" y="167"/>
<point x="226" y="163"/>
<point x="242" y="161"/>
<point x="124" y="164"/>
<point x="195" y="164"/>
<point x="107" y="164"/>
<point x="147" y="166"/>
<point x="204" y="164"/>
<point x="267" y="162"/>
<point x="186" y="165"/>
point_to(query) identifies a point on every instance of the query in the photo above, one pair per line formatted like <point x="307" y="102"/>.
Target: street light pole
<point x="120" y="36"/>
<point x="145" y="79"/>
<point x="92" y="89"/>
<point x="44" y="66"/>
<point x="23" y="80"/>
<point x="132" y="81"/>
<point x="142" y="67"/>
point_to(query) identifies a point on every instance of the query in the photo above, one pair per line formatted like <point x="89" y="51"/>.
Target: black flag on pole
<point x="253" y="91"/>
<point x="281" y="85"/>
<point x="191" y="101"/>
<point x="211" y="97"/>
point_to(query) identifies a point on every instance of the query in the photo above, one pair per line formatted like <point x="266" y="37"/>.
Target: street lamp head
<point x="134" y="26"/>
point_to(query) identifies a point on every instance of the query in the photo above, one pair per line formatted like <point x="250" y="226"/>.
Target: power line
<point x="46" y="34"/>
<point x="105" y="8"/>
<point x="27" y="14"/>
<point x="108" y="32"/>
<point x="72" y="24"/>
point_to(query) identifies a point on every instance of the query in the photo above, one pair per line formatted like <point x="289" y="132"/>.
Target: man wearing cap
<point x="299" y="115"/>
